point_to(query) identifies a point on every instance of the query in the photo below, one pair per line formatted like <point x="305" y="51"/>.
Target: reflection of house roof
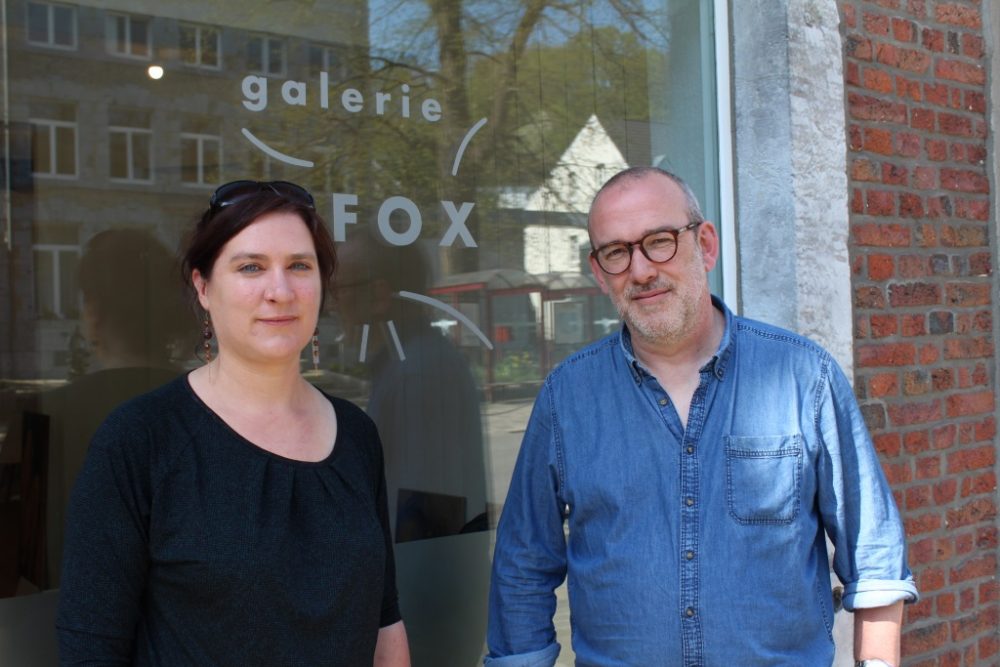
<point x="491" y="279"/>
<point x="591" y="158"/>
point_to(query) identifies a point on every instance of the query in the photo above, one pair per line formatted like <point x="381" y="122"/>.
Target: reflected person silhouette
<point x="132" y="317"/>
<point x="426" y="405"/>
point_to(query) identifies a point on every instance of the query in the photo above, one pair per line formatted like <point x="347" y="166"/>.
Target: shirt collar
<point x="717" y="364"/>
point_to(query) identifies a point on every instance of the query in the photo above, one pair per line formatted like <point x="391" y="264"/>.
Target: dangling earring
<point x="207" y="335"/>
<point x="315" y="349"/>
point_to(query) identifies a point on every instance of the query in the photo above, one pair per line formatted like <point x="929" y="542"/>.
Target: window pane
<point x="255" y="54"/>
<point x="38" y="23"/>
<point x="211" y="155"/>
<point x="189" y="160"/>
<point x="68" y="292"/>
<point x="66" y="151"/>
<point x="45" y="284"/>
<point x="64" y="25"/>
<point x="276" y="56"/>
<point x="209" y="48"/>
<point x="118" y="155"/>
<point x="188" y="44"/>
<point x="140" y="37"/>
<point x="141" y="157"/>
<point x="41" y="149"/>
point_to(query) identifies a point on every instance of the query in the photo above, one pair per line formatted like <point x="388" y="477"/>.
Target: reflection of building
<point x="97" y="142"/>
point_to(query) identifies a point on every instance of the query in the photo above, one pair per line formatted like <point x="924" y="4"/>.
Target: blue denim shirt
<point x="702" y="546"/>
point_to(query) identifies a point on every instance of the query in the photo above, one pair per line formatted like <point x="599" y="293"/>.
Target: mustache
<point x="633" y="291"/>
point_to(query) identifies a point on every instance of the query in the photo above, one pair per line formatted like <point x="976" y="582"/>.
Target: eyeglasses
<point x="658" y="247"/>
<point x="236" y="191"/>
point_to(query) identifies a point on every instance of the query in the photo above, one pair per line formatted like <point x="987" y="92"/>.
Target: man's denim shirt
<point x="702" y="546"/>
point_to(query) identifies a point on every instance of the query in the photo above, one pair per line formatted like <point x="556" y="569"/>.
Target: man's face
<point x="660" y="302"/>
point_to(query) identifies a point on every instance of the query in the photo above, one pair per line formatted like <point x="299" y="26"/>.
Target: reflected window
<point x="266" y="55"/>
<point x="129" y="36"/>
<point x="130" y="154"/>
<point x="55" y="280"/>
<point x="201" y="46"/>
<point x="201" y="155"/>
<point x="52" y="25"/>
<point x="53" y="148"/>
<point x="325" y="59"/>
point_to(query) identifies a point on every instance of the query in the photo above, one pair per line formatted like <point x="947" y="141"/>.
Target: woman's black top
<point x="186" y="544"/>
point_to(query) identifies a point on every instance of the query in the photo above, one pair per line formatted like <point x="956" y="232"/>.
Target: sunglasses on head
<point x="237" y="191"/>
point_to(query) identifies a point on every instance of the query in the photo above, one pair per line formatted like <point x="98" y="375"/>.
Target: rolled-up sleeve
<point x="856" y="502"/>
<point x="529" y="560"/>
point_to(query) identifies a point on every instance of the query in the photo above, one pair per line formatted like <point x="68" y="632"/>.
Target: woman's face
<point x="265" y="291"/>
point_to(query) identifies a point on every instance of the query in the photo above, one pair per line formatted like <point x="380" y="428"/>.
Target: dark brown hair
<point x="218" y="225"/>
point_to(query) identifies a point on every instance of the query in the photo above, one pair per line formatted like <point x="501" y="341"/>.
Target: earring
<point x="207" y="335"/>
<point x="315" y="349"/>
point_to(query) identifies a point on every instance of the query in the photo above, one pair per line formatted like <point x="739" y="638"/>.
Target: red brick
<point x="925" y="178"/>
<point x="883" y="384"/>
<point x="979" y="484"/>
<point x="945" y="491"/>
<point x="877" y="80"/>
<point x="919" y="497"/>
<point x="925" y="639"/>
<point x="968" y="348"/>
<point x="914" y="294"/>
<point x="925" y="523"/>
<point x="945" y="604"/>
<point x="917" y="7"/>
<point x="869" y="297"/>
<point x="929" y="354"/>
<point x="979" y="510"/>
<point x="881" y="202"/>
<point x="880" y="267"/>
<point x="961" y="72"/>
<point x="915" y="413"/>
<point x="916" y="383"/>
<point x="850" y="15"/>
<point x="882" y="235"/>
<point x="928" y="467"/>
<point x="876" y="24"/>
<point x="964" y="460"/>
<point x="913" y="325"/>
<point x="903" y="30"/>
<point x="912" y="60"/>
<point x="975" y="624"/>
<point x="864" y="170"/>
<point x="923" y="119"/>
<point x="936" y="149"/>
<point x="894" y="174"/>
<point x="968" y="294"/>
<point x="980" y="264"/>
<point x="958" y="15"/>
<point x="988" y="646"/>
<point x="944" y="437"/>
<point x="964" y="236"/>
<point x="877" y="141"/>
<point x="936" y="93"/>
<point x="932" y="40"/>
<point x="858" y="46"/>
<point x="908" y="144"/>
<point x="964" y="181"/>
<point x="886" y="354"/>
<point x="975" y="101"/>
<point x="910" y="206"/>
<point x="973" y="209"/>
<point x="960" y="126"/>
<point x="942" y="379"/>
<point x="897" y="473"/>
<point x="884" y="325"/>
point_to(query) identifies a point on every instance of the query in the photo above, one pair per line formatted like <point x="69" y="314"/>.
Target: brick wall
<point x="916" y="85"/>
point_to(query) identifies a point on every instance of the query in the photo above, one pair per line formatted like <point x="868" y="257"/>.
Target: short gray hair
<point x="694" y="213"/>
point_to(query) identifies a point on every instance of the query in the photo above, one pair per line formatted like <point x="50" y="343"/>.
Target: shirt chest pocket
<point x="763" y="478"/>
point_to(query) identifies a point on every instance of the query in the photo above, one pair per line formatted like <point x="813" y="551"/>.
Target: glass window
<point x="201" y="157"/>
<point x="52" y="25"/>
<point x="129" y="36"/>
<point x="130" y="154"/>
<point x="53" y="148"/>
<point x="266" y="55"/>
<point x="201" y="46"/>
<point x="455" y="175"/>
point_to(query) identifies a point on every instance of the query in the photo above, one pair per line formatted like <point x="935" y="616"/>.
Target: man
<point x="697" y="459"/>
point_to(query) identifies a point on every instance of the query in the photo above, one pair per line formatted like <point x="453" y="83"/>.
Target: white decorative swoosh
<point x="277" y="155"/>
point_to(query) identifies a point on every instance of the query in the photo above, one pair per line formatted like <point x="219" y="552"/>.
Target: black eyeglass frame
<point x="234" y="192"/>
<point x="641" y="243"/>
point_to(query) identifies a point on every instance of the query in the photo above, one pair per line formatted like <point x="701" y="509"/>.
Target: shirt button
<point x="689" y="612"/>
<point x="690" y="449"/>
<point x="689" y="555"/>
<point x="689" y="501"/>
<point x="663" y="401"/>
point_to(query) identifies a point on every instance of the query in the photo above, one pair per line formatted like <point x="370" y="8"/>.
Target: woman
<point x="237" y="515"/>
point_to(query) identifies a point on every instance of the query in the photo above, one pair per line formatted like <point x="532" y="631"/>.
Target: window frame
<point x="55" y="250"/>
<point x="130" y="133"/>
<point x="52" y="125"/>
<point x="265" y="65"/>
<point x="50" y="42"/>
<point x="199" y="31"/>
<point x="201" y="138"/>
<point x="112" y="38"/>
